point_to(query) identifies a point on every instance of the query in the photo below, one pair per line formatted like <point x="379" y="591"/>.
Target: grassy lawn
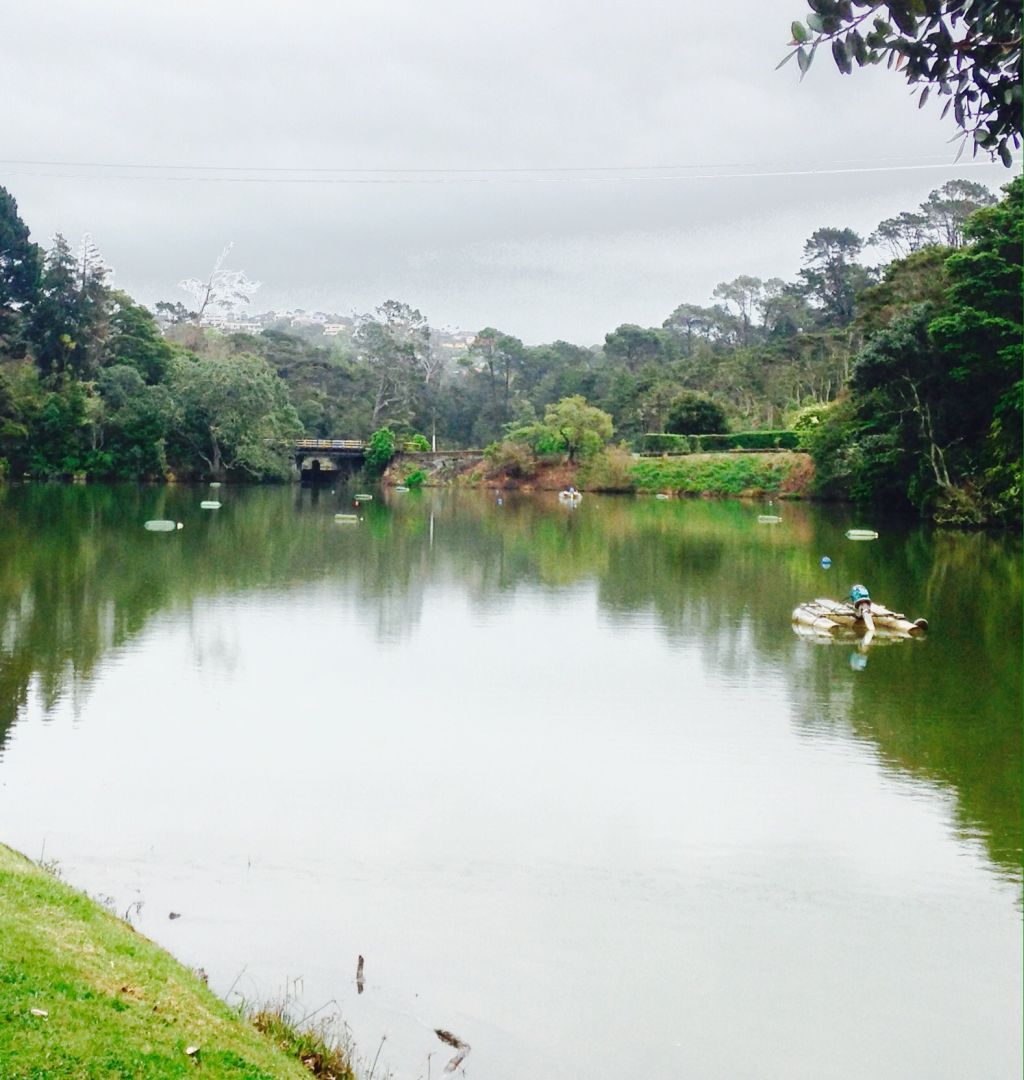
<point x="722" y="474"/>
<point x="84" y="996"/>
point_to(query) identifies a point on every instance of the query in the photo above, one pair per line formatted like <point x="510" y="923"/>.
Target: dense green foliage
<point x="91" y="385"/>
<point x="380" y="449"/>
<point x="696" y="414"/>
<point x="933" y="413"/>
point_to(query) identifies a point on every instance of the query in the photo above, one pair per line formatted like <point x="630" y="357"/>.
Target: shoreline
<point x="781" y="474"/>
<point x="84" y="995"/>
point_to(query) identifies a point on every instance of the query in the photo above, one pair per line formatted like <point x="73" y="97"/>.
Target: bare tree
<point x="223" y="290"/>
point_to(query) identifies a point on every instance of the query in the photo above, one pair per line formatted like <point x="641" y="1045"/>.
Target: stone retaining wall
<point x="437" y="464"/>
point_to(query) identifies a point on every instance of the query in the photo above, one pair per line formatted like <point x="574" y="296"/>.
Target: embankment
<point x="729" y="473"/>
<point x="786" y="474"/>
<point x="84" y="996"/>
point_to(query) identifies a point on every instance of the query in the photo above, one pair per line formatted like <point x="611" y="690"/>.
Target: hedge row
<point x="662" y="443"/>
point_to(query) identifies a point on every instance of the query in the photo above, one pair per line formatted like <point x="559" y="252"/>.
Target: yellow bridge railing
<point x="330" y="444"/>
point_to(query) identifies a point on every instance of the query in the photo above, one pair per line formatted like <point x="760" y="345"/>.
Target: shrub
<point x="663" y="443"/>
<point x="379" y="451"/>
<point x="510" y="457"/>
<point x="611" y="470"/>
<point x="749" y="440"/>
<point x="695" y="414"/>
<point x="417" y="478"/>
<point x="808" y="421"/>
<point x="660" y="442"/>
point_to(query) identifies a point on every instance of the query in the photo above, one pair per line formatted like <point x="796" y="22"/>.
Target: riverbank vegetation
<point x="724" y="474"/>
<point x="83" y="996"/>
<point x="902" y="379"/>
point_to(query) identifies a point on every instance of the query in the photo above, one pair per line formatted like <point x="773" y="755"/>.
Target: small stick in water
<point x="463" y="1048"/>
<point x="359" y="976"/>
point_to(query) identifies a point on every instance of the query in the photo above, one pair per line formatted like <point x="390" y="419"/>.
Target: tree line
<point x="91" y="383"/>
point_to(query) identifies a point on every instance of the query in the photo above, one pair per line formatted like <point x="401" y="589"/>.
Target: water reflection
<point x="80" y="578"/>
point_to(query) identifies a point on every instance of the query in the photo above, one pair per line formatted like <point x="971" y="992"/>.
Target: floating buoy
<point x="861" y="534"/>
<point x="768" y="519"/>
<point x="163" y="526"/>
<point x="209" y="504"/>
<point x="826" y="562"/>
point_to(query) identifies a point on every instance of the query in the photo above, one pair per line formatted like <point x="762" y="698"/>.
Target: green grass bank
<point x="85" y="997"/>
<point x="784" y="474"/>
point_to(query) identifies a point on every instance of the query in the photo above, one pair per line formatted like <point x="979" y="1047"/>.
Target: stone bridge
<point x="325" y="457"/>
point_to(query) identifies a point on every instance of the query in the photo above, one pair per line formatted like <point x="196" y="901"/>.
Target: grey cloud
<point x="453" y="84"/>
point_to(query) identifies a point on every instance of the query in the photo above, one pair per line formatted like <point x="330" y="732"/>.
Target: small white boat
<point x="363" y="497"/>
<point x="346" y="519"/>
<point x="661" y="495"/>
<point x="209" y="504"/>
<point x="163" y="526"/>
<point x="768" y="519"/>
<point x="861" y="534"/>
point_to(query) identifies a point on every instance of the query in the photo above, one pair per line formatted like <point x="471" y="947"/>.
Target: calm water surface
<point x="566" y="778"/>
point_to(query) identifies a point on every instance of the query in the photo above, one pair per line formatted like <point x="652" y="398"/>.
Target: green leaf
<point x="816" y="23"/>
<point x="923" y="98"/>
<point x="786" y="59"/>
<point x="803" y="59"/>
<point x="841" y="57"/>
<point x="860" y="49"/>
<point x="903" y="18"/>
<point x="1004" y="153"/>
<point x="799" y="32"/>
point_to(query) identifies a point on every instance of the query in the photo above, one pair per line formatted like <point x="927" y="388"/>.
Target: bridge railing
<point x="330" y="444"/>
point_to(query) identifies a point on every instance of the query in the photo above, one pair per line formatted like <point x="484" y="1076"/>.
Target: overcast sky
<point x="629" y="122"/>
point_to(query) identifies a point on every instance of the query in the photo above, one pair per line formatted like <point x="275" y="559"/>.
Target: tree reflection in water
<point x="81" y="577"/>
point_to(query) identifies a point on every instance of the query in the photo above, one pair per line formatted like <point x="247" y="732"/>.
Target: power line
<point x="461" y="178"/>
<point x="457" y="170"/>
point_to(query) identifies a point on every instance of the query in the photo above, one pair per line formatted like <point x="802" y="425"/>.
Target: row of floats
<point x="162" y="525"/>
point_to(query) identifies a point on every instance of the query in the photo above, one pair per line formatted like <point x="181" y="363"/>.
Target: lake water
<point x="566" y="778"/>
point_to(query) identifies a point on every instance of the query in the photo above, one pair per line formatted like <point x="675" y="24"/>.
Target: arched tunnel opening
<point x="328" y="469"/>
